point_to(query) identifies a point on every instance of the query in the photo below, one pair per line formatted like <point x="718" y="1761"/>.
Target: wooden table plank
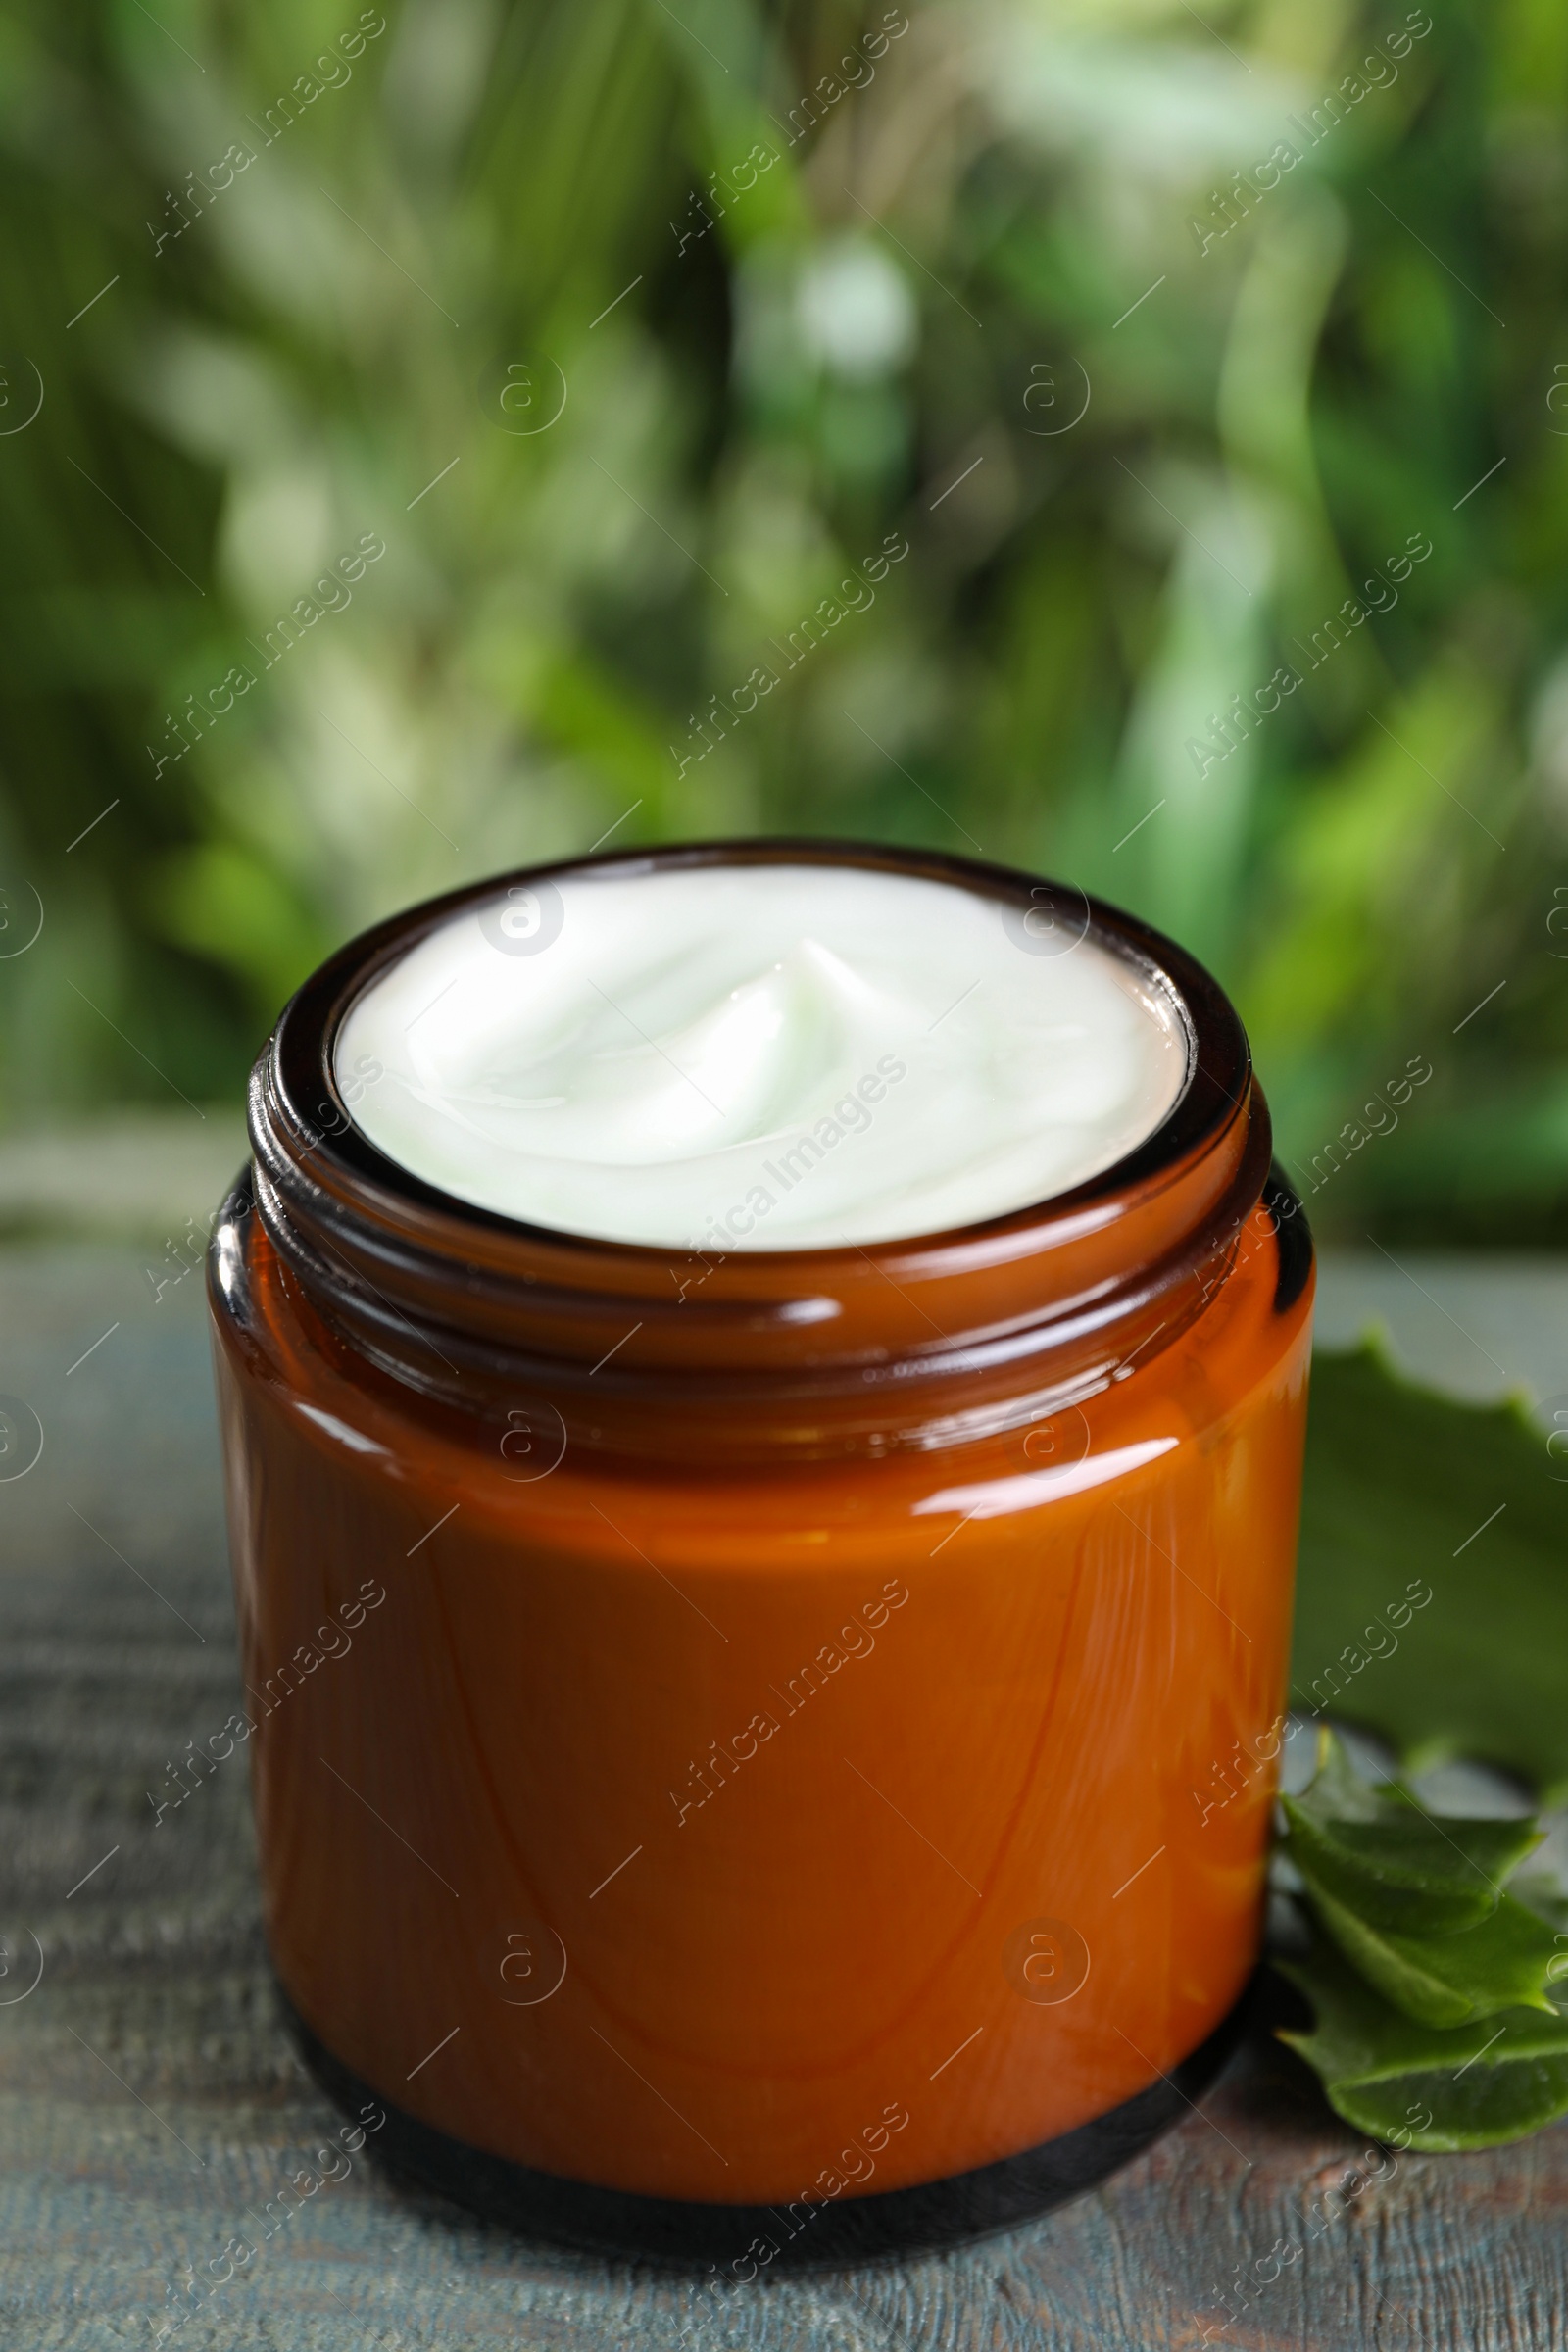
<point x="150" y="2104"/>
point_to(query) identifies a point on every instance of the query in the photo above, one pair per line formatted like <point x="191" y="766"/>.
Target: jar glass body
<point x="825" y="1750"/>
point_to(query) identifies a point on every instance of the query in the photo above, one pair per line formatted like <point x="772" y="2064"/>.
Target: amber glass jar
<point x="735" y="1739"/>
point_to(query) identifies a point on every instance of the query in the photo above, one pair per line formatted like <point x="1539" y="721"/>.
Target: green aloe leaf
<point x="1416" y="1903"/>
<point x="1543" y="1895"/>
<point x="1378" y="1854"/>
<point x="1409" y="1495"/>
<point x="1445" y="1980"/>
<point x="1475" y="2085"/>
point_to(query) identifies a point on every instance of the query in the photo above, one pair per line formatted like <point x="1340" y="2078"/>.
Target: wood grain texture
<point x="149" y="2105"/>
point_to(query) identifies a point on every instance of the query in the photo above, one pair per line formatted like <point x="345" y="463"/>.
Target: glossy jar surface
<point x="762" y="1730"/>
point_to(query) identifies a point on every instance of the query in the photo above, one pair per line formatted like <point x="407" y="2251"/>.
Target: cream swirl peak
<point x="757" y="1056"/>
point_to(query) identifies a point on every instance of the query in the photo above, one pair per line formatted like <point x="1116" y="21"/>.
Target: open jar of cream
<point x="762" y="1391"/>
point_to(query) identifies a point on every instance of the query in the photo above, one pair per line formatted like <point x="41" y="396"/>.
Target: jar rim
<point x="303" y="1046"/>
<point x="923" y="1333"/>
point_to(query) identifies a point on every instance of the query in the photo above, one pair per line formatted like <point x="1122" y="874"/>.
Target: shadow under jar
<point x="764" y="1755"/>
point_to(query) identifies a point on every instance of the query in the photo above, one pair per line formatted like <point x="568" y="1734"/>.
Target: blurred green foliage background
<point x="629" y="328"/>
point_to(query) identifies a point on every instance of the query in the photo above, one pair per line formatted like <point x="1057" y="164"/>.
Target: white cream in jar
<point x="760" y="1056"/>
